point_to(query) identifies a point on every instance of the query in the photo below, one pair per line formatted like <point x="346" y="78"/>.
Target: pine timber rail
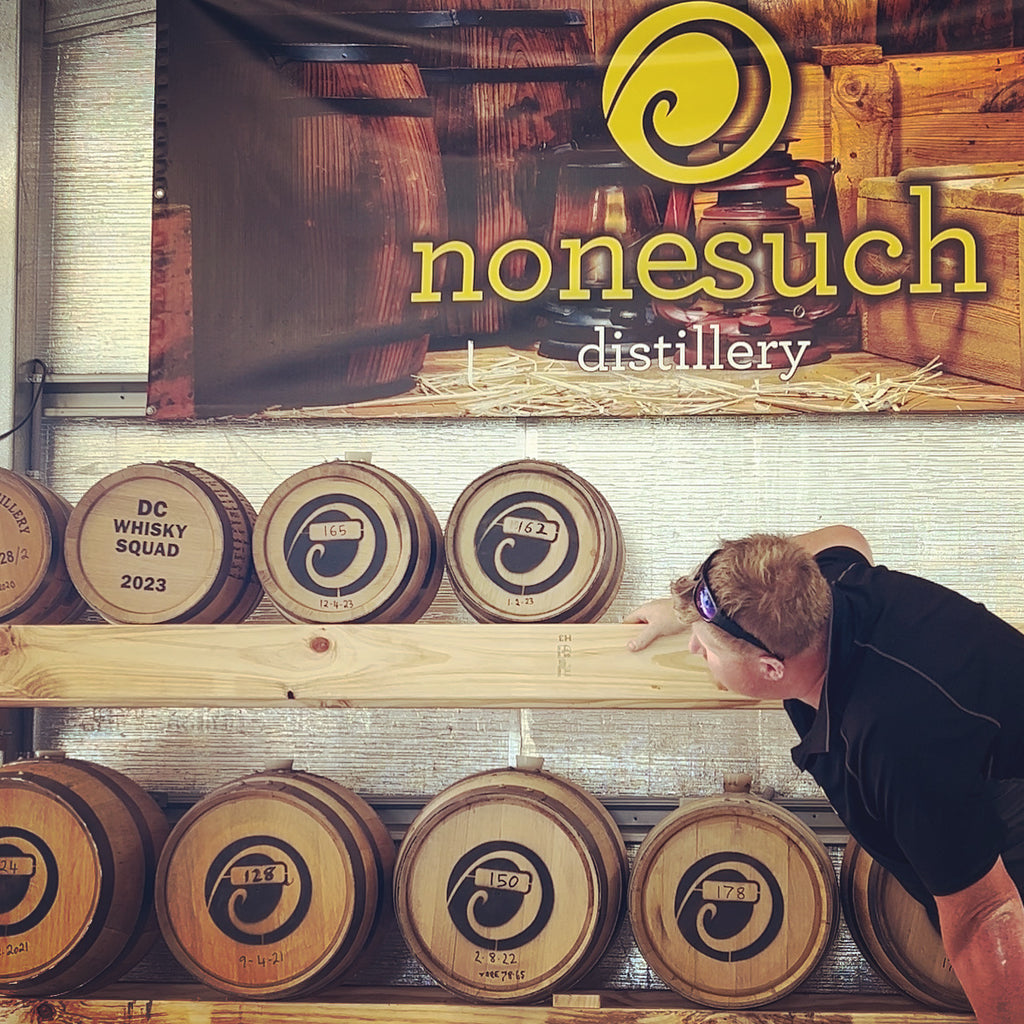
<point x="367" y="665"/>
<point x="187" y="1004"/>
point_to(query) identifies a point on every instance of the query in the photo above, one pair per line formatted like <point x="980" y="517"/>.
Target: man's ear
<point x="771" y="668"/>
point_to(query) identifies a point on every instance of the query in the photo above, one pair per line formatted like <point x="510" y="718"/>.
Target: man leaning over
<point x="908" y="701"/>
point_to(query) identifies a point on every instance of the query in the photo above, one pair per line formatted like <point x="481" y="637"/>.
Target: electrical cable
<point x="37" y="394"/>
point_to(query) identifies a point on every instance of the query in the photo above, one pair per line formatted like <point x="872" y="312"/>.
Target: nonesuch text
<point x="669" y="267"/>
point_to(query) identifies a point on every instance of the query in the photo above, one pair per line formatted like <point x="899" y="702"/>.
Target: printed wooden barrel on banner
<point x="347" y="541"/>
<point x="274" y="885"/>
<point x="319" y="170"/>
<point x="509" y="885"/>
<point x="35" y="586"/>
<point x="367" y="158"/>
<point x="79" y="845"/>
<point x="164" y="542"/>
<point x="531" y="541"/>
<point x="733" y="901"/>
<point x="894" y="932"/>
<point x="507" y="86"/>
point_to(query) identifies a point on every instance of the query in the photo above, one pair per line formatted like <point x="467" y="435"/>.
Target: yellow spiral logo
<point x="673" y="85"/>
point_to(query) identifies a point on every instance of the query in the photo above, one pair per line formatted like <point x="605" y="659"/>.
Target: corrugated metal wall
<point x="936" y="495"/>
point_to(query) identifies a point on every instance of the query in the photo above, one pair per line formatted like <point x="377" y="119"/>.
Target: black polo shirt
<point x="923" y="706"/>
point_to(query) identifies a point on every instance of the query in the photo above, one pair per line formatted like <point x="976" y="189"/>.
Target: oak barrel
<point x="79" y="845"/>
<point x="733" y="901"/>
<point x="303" y="259"/>
<point x="274" y="885"/>
<point x="35" y="586"/>
<point x="509" y="885"/>
<point x="532" y="541"/>
<point x="894" y="933"/>
<point x="164" y="542"/>
<point x="507" y="87"/>
<point x="347" y="541"/>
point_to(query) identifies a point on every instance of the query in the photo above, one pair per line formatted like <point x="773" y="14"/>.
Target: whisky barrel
<point x="733" y="901"/>
<point x="163" y="542"/>
<point x="242" y="517"/>
<point x="34" y="583"/>
<point x="531" y="541"/>
<point x="507" y="87"/>
<point x="304" y="260"/>
<point x="79" y="844"/>
<point x="509" y="885"/>
<point x="347" y="541"/>
<point x="274" y="885"/>
<point x="894" y="933"/>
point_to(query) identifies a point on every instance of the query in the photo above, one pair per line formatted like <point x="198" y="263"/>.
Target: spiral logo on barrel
<point x="258" y="890"/>
<point x="729" y="906"/>
<point x="29" y="880"/>
<point x="526" y="543"/>
<point x="674" y="84"/>
<point x="334" y="545"/>
<point x="500" y="895"/>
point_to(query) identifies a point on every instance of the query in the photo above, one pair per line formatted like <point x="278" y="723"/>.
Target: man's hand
<point x="660" y="619"/>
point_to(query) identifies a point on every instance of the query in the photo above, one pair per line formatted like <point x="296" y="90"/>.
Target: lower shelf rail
<point x="187" y="1004"/>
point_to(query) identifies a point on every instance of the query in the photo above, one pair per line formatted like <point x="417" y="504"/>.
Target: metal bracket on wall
<point x="86" y="395"/>
<point x="92" y="395"/>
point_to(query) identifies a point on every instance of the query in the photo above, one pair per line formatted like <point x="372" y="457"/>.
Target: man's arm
<point x="983" y="932"/>
<point x="835" y="537"/>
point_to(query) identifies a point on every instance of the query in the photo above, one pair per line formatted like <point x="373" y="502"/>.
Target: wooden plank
<point x="412" y="665"/>
<point x="975" y="336"/>
<point x="395" y="1006"/>
<point x="809" y="120"/>
<point x="848" y="53"/>
<point x="949" y="105"/>
<point x="961" y="83"/>
<point x="171" y="342"/>
<point x="954" y="172"/>
<point x="862" y="132"/>
<point x="945" y="138"/>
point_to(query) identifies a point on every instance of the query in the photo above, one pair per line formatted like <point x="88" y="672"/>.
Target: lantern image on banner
<point x="604" y="211"/>
<point x="775" y="272"/>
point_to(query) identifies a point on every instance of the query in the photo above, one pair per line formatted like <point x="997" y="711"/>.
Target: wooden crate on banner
<point x="975" y="333"/>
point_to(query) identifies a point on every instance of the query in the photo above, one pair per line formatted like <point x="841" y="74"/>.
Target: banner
<point x="696" y="208"/>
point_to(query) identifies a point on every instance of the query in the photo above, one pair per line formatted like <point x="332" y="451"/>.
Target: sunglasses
<point x="707" y="608"/>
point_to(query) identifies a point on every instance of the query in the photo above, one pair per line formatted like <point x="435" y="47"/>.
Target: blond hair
<point x="771" y="586"/>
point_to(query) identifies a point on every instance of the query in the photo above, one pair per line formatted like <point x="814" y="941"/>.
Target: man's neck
<point x="805" y="674"/>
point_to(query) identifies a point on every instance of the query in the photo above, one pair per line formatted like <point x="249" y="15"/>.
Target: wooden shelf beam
<point x="401" y="666"/>
<point x="164" y="1005"/>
